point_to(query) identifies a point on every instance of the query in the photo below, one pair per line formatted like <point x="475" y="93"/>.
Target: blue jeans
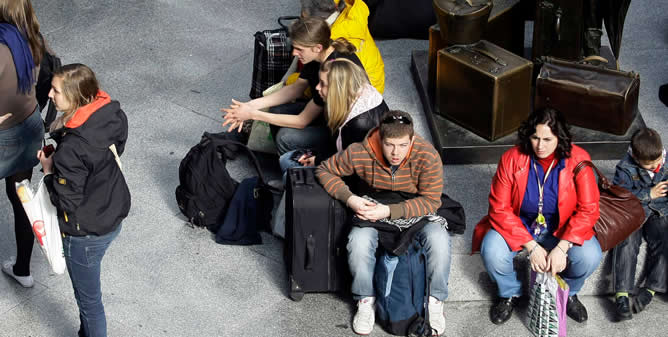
<point x="19" y="145"/>
<point x="362" y="245"/>
<point x="314" y="137"/>
<point x="498" y="260"/>
<point x="83" y="255"/>
<point x="286" y="162"/>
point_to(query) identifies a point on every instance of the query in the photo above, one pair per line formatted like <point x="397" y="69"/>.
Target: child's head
<point x="396" y="135"/>
<point x="646" y="148"/>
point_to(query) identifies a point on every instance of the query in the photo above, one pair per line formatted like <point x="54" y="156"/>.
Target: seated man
<point x="391" y="158"/>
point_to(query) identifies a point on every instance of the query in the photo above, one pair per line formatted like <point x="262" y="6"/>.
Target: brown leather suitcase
<point x="589" y="96"/>
<point x="558" y="29"/>
<point x="484" y="88"/>
<point x="505" y="28"/>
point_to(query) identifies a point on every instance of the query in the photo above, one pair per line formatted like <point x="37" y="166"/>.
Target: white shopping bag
<point x="43" y="217"/>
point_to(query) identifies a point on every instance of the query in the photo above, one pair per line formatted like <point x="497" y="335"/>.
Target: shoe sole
<point x="623" y="318"/>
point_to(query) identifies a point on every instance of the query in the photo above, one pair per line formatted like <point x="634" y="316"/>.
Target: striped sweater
<point x="421" y="172"/>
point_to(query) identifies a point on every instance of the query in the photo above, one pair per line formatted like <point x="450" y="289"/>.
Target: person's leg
<point x="286" y="162"/>
<point x="582" y="262"/>
<point x="362" y="245"/>
<point x="624" y="261"/>
<point x="83" y="256"/>
<point x="498" y="260"/>
<point x="655" y="231"/>
<point x="316" y="138"/>
<point x="22" y="228"/>
<point x="436" y="242"/>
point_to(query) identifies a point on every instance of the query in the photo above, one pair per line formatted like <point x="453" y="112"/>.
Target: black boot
<point x="502" y="310"/>
<point x="623" y="308"/>
<point x="575" y="309"/>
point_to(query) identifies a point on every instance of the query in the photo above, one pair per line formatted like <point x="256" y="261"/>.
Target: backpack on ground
<point x="205" y="186"/>
<point x="402" y="292"/>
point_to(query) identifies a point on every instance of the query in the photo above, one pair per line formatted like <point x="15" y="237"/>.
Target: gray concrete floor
<point x="172" y="65"/>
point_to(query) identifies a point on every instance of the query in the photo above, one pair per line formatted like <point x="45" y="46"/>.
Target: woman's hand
<point x="5" y="117"/>
<point x="538" y="259"/>
<point x="556" y="261"/>
<point x="239" y="111"/>
<point x="47" y="162"/>
<point x="306" y="160"/>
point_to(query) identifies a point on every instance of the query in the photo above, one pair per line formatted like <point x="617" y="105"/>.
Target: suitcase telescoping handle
<point x="300" y="176"/>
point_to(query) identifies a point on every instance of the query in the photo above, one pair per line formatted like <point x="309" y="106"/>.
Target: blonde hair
<point x="345" y="82"/>
<point x="21" y="14"/>
<point x="80" y="88"/>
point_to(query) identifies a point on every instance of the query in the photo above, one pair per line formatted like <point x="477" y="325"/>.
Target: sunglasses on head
<point x="396" y="119"/>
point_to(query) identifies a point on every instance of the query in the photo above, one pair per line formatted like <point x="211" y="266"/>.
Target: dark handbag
<point x="50" y="63"/>
<point x="589" y="96"/>
<point x="272" y="57"/>
<point x="621" y="211"/>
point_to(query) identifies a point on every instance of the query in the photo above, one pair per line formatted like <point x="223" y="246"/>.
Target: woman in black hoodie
<point x="86" y="184"/>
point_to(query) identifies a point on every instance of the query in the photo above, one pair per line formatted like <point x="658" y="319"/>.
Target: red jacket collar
<point x="83" y="113"/>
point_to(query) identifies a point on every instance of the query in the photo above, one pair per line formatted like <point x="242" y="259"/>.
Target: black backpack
<point x="205" y="187"/>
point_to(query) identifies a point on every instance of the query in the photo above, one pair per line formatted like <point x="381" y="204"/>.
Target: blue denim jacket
<point x="634" y="178"/>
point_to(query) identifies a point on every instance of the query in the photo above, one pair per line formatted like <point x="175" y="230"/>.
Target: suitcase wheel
<point x="296" y="292"/>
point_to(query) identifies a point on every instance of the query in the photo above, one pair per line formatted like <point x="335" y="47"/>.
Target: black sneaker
<point x="623" y="308"/>
<point x="641" y="300"/>
<point x="502" y="310"/>
<point x="576" y="310"/>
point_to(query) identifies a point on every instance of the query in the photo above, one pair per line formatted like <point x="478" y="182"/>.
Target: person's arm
<point x="430" y="188"/>
<point x="239" y="111"/>
<point x="501" y="215"/>
<point x="66" y="179"/>
<point x="310" y="112"/>
<point x="623" y="179"/>
<point x="586" y="210"/>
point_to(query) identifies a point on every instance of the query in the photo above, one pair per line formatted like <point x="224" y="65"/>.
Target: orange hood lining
<point x="83" y="113"/>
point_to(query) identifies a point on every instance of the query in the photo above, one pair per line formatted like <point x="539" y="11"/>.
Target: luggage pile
<point x="481" y="80"/>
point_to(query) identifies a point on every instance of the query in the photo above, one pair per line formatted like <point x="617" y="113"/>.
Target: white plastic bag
<point x="43" y="218"/>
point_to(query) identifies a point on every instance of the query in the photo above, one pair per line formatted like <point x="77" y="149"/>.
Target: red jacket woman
<point x="578" y="201"/>
<point x="536" y="204"/>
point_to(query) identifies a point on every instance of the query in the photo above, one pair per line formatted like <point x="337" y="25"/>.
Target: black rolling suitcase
<point x="316" y="230"/>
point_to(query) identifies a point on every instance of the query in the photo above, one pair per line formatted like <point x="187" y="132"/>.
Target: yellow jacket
<point x="353" y="25"/>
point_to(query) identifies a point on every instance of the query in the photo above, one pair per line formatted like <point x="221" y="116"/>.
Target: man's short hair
<point x="646" y="145"/>
<point x="396" y="124"/>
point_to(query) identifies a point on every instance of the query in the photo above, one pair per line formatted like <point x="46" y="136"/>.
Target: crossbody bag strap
<point x="112" y="148"/>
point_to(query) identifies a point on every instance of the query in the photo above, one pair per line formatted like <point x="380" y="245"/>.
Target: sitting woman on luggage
<point x="297" y="125"/>
<point x="353" y="107"/>
<point x="536" y="204"/>
<point x="85" y="182"/>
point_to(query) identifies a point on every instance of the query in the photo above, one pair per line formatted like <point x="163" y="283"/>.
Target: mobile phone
<point x="48" y="150"/>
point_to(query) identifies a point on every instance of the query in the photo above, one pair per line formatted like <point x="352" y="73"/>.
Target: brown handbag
<point x="621" y="211"/>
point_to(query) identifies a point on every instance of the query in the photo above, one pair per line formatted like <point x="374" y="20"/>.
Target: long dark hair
<point x="555" y="120"/>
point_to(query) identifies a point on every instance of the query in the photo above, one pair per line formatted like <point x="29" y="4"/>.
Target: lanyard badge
<point x="540" y="219"/>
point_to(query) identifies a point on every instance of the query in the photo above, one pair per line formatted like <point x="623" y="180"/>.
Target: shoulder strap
<point x="603" y="181"/>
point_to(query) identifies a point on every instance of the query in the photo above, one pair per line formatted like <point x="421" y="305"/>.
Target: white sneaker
<point x="365" y="317"/>
<point x="436" y="317"/>
<point x="8" y="268"/>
